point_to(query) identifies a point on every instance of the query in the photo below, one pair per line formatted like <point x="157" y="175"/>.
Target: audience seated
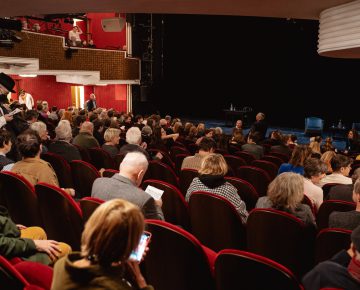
<point x="327" y="146"/>
<point x="28" y="243"/>
<point x="31" y="167"/>
<point x="341" y="272"/>
<point x="348" y="220"/>
<point x="112" y="137"/>
<point x="206" y="146"/>
<point x="341" y="166"/>
<point x="282" y="148"/>
<point x="315" y="146"/>
<point x="85" y="138"/>
<point x="40" y="128"/>
<point x="134" y="143"/>
<point x="110" y="235"/>
<point x="314" y="171"/>
<point x="252" y="145"/>
<point x="211" y="179"/>
<point x="5" y="147"/>
<point x="53" y="114"/>
<point x="286" y="193"/>
<point x="62" y="145"/>
<point x="125" y="185"/>
<point x="296" y="163"/>
<point x="344" y="191"/>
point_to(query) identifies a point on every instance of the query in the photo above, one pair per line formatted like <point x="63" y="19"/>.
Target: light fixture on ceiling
<point x="28" y="76"/>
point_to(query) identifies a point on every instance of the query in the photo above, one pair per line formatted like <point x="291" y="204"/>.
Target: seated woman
<point x="296" y="163"/>
<point x="112" y="137"/>
<point x="62" y="145"/>
<point x="212" y="171"/>
<point x="31" y="167"/>
<point x="28" y="243"/>
<point x="352" y="142"/>
<point x="5" y="147"/>
<point x="110" y="235"/>
<point x="286" y="193"/>
<point x="315" y="146"/>
<point x="327" y="157"/>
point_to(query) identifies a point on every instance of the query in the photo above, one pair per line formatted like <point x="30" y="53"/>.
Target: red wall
<point x="59" y="94"/>
<point x="111" y="96"/>
<point x="102" y="39"/>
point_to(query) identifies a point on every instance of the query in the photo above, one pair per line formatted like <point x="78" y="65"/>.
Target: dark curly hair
<point x="5" y="137"/>
<point x="28" y="143"/>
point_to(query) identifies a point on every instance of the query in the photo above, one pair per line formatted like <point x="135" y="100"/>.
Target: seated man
<point x="206" y="146"/>
<point x="348" y="220"/>
<point x="338" y="272"/>
<point x="125" y="185"/>
<point x="341" y="166"/>
<point x="31" y="167"/>
<point x="85" y="138"/>
<point x="252" y="145"/>
<point x="28" y="243"/>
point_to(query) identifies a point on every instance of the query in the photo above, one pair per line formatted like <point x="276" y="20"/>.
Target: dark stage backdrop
<point x="268" y="64"/>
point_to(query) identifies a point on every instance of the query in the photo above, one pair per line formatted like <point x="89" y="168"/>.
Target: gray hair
<point x="146" y="130"/>
<point x="87" y="127"/>
<point x="39" y="127"/>
<point x="63" y="131"/>
<point x="357" y="186"/>
<point x="133" y="136"/>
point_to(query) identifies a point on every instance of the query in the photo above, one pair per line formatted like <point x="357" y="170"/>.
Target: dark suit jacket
<point x="91" y="105"/>
<point x="66" y="150"/>
<point x="261" y="127"/>
<point x="121" y="187"/>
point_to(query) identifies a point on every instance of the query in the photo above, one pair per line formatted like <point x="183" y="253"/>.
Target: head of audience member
<point x="31" y="116"/>
<point x="260" y="116"/>
<point x="315" y="144"/>
<point x="353" y="134"/>
<point x="293" y="139"/>
<point x="39" y="107"/>
<point x="207" y="146"/>
<point x="87" y="127"/>
<point x="146" y="131"/>
<point x="276" y="135"/>
<point x="91" y="42"/>
<point x="356" y="175"/>
<point x="29" y="144"/>
<point x="133" y="136"/>
<point x="127" y="119"/>
<point x="254" y="137"/>
<point x="238" y="124"/>
<point x="79" y="119"/>
<point x="112" y="136"/>
<point x="67" y="116"/>
<point x="209" y="133"/>
<point x="168" y="120"/>
<point x="53" y="109"/>
<point x="45" y="105"/>
<point x="41" y="129"/>
<point x="326" y="157"/>
<point x="315" y="170"/>
<point x="356" y="194"/>
<point x="5" y="142"/>
<point x="201" y="129"/>
<point x="112" y="232"/>
<point x="163" y="123"/>
<point x="61" y="113"/>
<point x="63" y="131"/>
<point x="213" y="164"/>
<point x="299" y="155"/>
<point x="341" y="164"/>
<point x="354" y="265"/>
<point x="134" y="166"/>
<point x="286" y="191"/>
<point x="238" y="136"/>
<point x="139" y="119"/>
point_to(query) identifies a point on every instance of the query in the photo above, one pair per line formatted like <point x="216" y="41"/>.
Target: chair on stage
<point x="314" y="126"/>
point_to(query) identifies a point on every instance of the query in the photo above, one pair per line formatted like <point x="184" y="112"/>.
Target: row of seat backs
<point x="176" y="254"/>
<point x="44" y="205"/>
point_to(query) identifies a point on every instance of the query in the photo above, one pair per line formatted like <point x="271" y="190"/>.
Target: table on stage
<point x="231" y="116"/>
<point x="338" y="133"/>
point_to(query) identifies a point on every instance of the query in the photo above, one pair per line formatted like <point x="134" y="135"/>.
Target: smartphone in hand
<point x="138" y="253"/>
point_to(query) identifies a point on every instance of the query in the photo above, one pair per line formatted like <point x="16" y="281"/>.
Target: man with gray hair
<point x="61" y="145"/>
<point x="125" y="185"/>
<point x="85" y="138"/>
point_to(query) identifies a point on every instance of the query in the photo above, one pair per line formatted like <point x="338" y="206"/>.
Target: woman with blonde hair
<point x="286" y="193"/>
<point x="111" y="137"/>
<point x="211" y="179"/>
<point x="110" y="235"/>
<point x="326" y="157"/>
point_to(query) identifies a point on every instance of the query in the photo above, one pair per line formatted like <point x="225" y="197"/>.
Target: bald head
<point x="134" y="166"/>
<point x="87" y="127"/>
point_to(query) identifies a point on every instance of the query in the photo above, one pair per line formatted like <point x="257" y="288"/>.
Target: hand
<point x="8" y="118"/>
<point x="159" y="156"/>
<point x="21" y="227"/>
<point x="159" y="202"/>
<point x="49" y="247"/>
<point x="70" y="191"/>
<point x="135" y="269"/>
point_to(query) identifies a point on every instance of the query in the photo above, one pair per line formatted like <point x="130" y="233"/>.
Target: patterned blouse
<point x="225" y="190"/>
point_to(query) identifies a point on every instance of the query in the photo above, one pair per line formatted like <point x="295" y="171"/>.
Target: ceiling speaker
<point x="113" y="24"/>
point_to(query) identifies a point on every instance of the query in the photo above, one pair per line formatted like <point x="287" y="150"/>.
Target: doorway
<point x="77" y="96"/>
